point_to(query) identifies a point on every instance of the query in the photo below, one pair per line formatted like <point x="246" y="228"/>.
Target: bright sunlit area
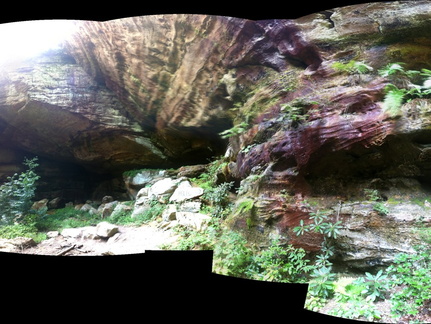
<point x="26" y="39"/>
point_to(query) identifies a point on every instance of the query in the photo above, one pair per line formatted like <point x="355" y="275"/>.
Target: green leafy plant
<point x="232" y="256"/>
<point x="350" y="294"/>
<point x="295" y="112"/>
<point x="375" y="286"/>
<point x="21" y="230"/>
<point x="193" y="240"/>
<point x="234" y="131"/>
<point x="16" y="194"/>
<point x="155" y="210"/>
<point x="372" y="194"/>
<point x="207" y="180"/>
<point x="320" y="224"/>
<point x="392" y="69"/>
<point x="218" y="197"/>
<point x="394" y="99"/>
<point x="411" y="274"/>
<point x="415" y="84"/>
<point x="352" y="67"/>
<point x="280" y="263"/>
<point x="381" y="208"/>
<point x="322" y="282"/>
<point x="356" y="309"/>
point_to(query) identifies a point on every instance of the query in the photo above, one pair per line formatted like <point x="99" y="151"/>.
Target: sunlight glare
<point x="23" y="40"/>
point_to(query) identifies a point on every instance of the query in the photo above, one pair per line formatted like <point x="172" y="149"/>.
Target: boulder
<point x="140" y="180"/>
<point x="121" y="208"/>
<point x="185" y="191"/>
<point x="88" y="208"/>
<point x="196" y="221"/>
<point x="142" y="194"/>
<point x="38" y="205"/>
<point x="52" y="234"/>
<point x="89" y="232"/>
<point x="106" y="209"/>
<point x="169" y="213"/>
<point x="190" y="206"/>
<point x="107" y="199"/>
<point x="56" y="203"/>
<point x="106" y="230"/>
<point x="192" y="171"/>
<point x="16" y="244"/>
<point x="162" y="187"/>
<point x="72" y="232"/>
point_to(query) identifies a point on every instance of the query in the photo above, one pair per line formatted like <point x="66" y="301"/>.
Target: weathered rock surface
<point x="106" y="230"/>
<point x="196" y="221"/>
<point x="185" y="191"/>
<point x="370" y="239"/>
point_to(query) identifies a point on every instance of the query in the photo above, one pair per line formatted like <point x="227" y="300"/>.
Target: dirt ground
<point x="128" y="240"/>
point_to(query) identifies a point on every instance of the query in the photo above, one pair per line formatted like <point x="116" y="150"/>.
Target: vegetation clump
<point x="16" y="194"/>
<point x="406" y="85"/>
<point x="352" y="67"/>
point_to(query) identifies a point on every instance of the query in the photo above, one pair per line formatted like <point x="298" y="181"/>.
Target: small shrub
<point x="232" y="256"/>
<point x="392" y="70"/>
<point x="322" y="282"/>
<point x="193" y="240"/>
<point x="321" y="224"/>
<point x="372" y="194"/>
<point x="280" y="263"/>
<point x="16" y="194"/>
<point x="218" y="197"/>
<point x="375" y="286"/>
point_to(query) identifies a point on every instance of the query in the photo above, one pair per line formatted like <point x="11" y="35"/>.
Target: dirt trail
<point x="128" y="240"/>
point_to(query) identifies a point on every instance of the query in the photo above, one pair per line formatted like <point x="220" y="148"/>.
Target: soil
<point x="128" y="240"/>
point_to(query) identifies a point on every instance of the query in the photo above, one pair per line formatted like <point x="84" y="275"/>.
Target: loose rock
<point x="169" y="213"/>
<point x="196" y="221"/>
<point x="38" y="205"/>
<point x="106" y="230"/>
<point x="186" y="191"/>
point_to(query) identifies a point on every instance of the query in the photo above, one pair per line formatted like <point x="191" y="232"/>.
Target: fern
<point x="234" y="131"/>
<point x="392" y="69"/>
<point x="394" y="99"/>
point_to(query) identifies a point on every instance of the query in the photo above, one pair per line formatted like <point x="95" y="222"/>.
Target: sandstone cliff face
<point x="173" y="73"/>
